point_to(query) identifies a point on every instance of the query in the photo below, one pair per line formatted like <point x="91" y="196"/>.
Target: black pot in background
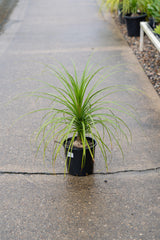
<point x="133" y="24"/>
<point x="152" y="22"/>
<point x="74" y="159"/>
<point x="121" y="17"/>
<point x="158" y="35"/>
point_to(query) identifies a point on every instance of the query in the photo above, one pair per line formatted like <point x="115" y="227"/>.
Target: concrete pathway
<point x="35" y="205"/>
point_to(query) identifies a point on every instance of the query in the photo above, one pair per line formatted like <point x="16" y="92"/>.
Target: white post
<point x="141" y="38"/>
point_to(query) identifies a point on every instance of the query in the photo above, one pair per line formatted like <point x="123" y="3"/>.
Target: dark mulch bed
<point x="149" y="58"/>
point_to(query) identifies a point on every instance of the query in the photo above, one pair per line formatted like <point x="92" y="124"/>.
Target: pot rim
<point x="127" y="16"/>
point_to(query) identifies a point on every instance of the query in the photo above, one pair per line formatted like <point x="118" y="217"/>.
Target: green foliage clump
<point x="153" y="9"/>
<point x="157" y="29"/>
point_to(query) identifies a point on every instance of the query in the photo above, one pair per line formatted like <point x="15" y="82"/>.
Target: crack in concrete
<point x="96" y="173"/>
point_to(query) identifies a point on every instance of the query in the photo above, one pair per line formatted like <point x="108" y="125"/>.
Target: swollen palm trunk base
<point x="74" y="159"/>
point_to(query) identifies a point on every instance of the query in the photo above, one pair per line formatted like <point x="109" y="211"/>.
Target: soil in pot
<point x="74" y="158"/>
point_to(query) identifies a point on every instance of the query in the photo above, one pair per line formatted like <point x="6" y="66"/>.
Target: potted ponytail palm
<point x="78" y="108"/>
<point x="134" y="11"/>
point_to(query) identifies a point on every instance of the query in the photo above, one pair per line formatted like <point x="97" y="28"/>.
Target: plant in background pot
<point x="78" y="109"/>
<point x="115" y="6"/>
<point x="153" y="12"/>
<point x="120" y="12"/>
<point x="112" y="5"/>
<point x="134" y="14"/>
<point x="157" y="30"/>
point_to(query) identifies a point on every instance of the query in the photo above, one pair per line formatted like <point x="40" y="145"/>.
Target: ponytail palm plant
<point x="82" y="107"/>
<point x="114" y="5"/>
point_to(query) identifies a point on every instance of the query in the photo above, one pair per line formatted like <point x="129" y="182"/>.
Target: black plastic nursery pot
<point x="152" y="23"/>
<point x="158" y="35"/>
<point x="133" y="24"/>
<point x="121" y="17"/>
<point x="74" y="159"/>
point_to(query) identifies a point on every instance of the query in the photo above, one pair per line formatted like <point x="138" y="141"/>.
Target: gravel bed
<point x="149" y="58"/>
